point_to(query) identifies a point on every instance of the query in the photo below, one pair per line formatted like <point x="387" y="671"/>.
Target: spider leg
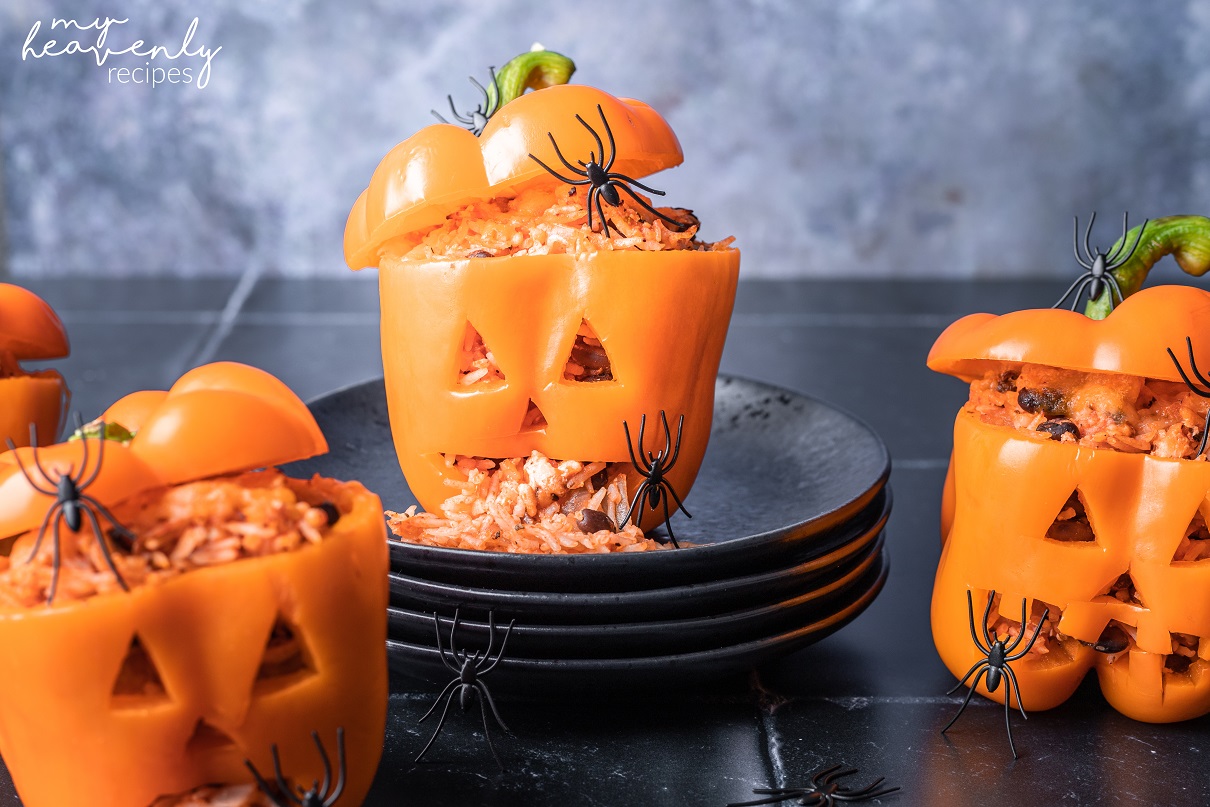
<point x="1087" y="233"/>
<point x="601" y="213"/>
<point x="1113" y="285"/>
<point x="25" y="471"/>
<point x="491" y="634"/>
<point x="835" y="773"/>
<point x="613" y="149"/>
<point x="104" y="511"/>
<point x="636" y="183"/>
<point x="1118" y="245"/>
<point x="1070" y="289"/>
<point x="648" y="207"/>
<point x="962" y="683"/>
<point x="77" y="473"/>
<point x="507" y="632"/>
<point x="51" y="512"/>
<point x="438" y="116"/>
<point x="327" y="763"/>
<point x="55" y="562"/>
<point x="1037" y="633"/>
<point x="864" y="794"/>
<point x="487" y="734"/>
<point x="639" y="496"/>
<point x="264" y="786"/>
<point x="33" y="435"/>
<point x="441" y="650"/>
<point x="669" y="489"/>
<point x="1075" y="243"/>
<point x="1184" y="377"/>
<point x="493" y="103"/>
<point x="437" y="700"/>
<point x="341" y="769"/>
<point x="1012" y="676"/>
<point x="1008" y="725"/>
<point x="457" y="115"/>
<point x="563" y="159"/>
<point x="559" y="176"/>
<point x="281" y="780"/>
<point x="1020" y="636"/>
<point x="444" y="713"/>
<point x="595" y="136"/>
<point x="630" y="444"/>
<point x="821" y="778"/>
<point x="483" y="690"/>
<point x="676" y="449"/>
<point x="991" y="596"/>
<point x="104" y="545"/>
<point x="487" y="100"/>
<point x="1193" y="363"/>
<point x="970" y="612"/>
<point x="974" y="685"/>
<point x="1118" y="261"/>
<point x="96" y="471"/>
<point x="668" y="522"/>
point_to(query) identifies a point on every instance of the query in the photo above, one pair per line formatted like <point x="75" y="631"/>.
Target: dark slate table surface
<point x="872" y="696"/>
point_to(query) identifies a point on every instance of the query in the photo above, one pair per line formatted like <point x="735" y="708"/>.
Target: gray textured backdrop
<point x="832" y="138"/>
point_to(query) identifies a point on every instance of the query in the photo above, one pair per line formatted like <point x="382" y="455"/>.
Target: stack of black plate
<point x="786" y="541"/>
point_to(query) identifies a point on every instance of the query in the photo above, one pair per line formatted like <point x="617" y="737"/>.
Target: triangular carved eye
<point x="476" y="364"/>
<point x="1071" y="525"/>
<point x="207" y="738"/>
<point x="1195" y="545"/>
<point x="138" y="684"/>
<point x="588" y="362"/>
<point x="285" y="660"/>
<point x="534" y="420"/>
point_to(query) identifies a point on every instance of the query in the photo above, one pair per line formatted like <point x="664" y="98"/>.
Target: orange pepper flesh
<point x="664" y="344"/>
<point x="62" y="734"/>
<point x="1004" y="489"/>
<point x="30" y="330"/>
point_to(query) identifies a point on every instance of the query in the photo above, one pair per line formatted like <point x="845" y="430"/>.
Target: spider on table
<point x="824" y="791"/>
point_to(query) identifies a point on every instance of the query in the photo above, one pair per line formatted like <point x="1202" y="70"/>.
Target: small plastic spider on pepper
<point x="30" y="331"/>
<point x="1079" y="483"/>
<point x="208" y="611"/>
<point x="536" y="309"/>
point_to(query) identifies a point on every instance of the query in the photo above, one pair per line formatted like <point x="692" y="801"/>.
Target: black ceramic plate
<point x="781" y="469"/>
<point x="629" y="640"/>
<point x="647" y="605"/>
<point x="411" y="663"/>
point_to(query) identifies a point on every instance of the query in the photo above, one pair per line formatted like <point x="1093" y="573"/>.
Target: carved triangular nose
<point x="534" y="420"/>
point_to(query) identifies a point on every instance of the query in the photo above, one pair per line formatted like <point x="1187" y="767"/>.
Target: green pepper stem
<point x="529" y="71"/>
<point x="1185" y="238"/>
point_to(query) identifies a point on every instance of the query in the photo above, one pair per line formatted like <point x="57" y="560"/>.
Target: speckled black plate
<point x="631" y="639"/>
<point x="784" y="474"/>
<point x="412" y="663"/>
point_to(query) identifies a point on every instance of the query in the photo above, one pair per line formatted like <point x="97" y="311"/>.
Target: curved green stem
<point x="1186" y="238"/>
<point x="529" y="71"/>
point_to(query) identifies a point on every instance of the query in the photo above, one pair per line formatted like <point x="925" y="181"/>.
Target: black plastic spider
<point x="654" y="466"/>
<point x="72" y="504"/>
<point x="1099" y="265"/>
<point x="995" y="666"/>
<point x="602" y="182"/>
<point x="824" y="791"/>
<point x="475" y="120"/>
<point x="469" y="669"/>
<point x="1201" y="449"/>
<point x="317" y="795"/>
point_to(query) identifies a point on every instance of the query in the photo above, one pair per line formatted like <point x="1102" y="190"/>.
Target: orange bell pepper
<point x="29" y="331"/>
<point x="660" y="316"/>
<point x="1004" y="489"/>
<point x="68" y="732"/>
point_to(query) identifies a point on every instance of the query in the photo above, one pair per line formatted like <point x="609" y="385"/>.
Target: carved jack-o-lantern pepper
<point x="648" y="325"/>
<point x="1079" y="483"/>
<point x="29" y="331"/>
<point x="241" y="611"/>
